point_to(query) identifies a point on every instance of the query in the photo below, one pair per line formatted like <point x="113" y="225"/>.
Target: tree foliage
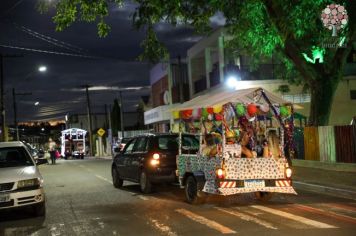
<point x="287" y="30"/>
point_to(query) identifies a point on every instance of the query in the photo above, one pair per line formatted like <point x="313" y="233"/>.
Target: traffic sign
<point x="101" y="132"/>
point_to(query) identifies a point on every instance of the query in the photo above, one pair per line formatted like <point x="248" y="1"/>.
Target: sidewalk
<point x="337" y="179"/>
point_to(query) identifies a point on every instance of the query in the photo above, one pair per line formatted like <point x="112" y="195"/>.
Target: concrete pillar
<point x="207" y="66"/>
<point x="190" y="78"/>
<point x="221" y="58"/>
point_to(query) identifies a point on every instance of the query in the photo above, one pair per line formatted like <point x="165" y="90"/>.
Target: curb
<point x="336" y="192"/>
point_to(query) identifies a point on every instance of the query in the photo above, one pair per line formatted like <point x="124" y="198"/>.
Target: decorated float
<point x="246" y="143"/>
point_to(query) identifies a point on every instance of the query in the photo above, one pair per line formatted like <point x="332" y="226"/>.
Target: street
<point x="81" y="200"/>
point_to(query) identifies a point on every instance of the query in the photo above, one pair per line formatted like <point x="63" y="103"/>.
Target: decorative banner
<point x="240" y="109"/>
<point x="251" y="109"/>
<point x="175" y="114"/>
<point x="334" y="17"/>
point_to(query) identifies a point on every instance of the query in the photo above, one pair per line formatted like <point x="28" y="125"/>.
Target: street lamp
<point x="37" y="103"/>
<point x="42" y="69"/>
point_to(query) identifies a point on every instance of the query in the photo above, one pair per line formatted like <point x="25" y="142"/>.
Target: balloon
<point x="218" y="116"/>
<point x="175" y="114"/>
<point x="196" y="113"/>
<point x="186" y="114"/>
<point x="264" y="108"/>
<point x="210" y="117"/>
<point x="210" y="110"/>
<point x="240" y="109"/>
<point x="250" y="118"/>
<point x="229" y="134"/>
<point x="237" y="132"/>
<point x="217" y="109"/>
<point x="204" y="113"/>
<point x="284" y="111"/>
<point x="251" y="109"/>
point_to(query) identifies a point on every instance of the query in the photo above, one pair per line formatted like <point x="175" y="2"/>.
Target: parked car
<point x="21" y="184"/>
<point x="150" y="159"/>
<point x="35" y="153"/>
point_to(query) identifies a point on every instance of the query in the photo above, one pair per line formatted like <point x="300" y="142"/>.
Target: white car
<point x="21" y="184"/>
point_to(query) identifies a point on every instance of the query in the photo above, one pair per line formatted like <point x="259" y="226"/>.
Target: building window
<point x="353" y="94"/>
<point x="297" y="98"/>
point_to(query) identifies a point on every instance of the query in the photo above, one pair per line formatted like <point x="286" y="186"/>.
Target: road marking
<point x="209" y="223"/>
<point x="163" y="228"/>
<point x="143" y="197"/>
<point x="327" y="213"/>
<point x="103" y="178"/>
<point x="247" y="217"/>
<point x="340" y="206"/>
<point x="300" y="219"/>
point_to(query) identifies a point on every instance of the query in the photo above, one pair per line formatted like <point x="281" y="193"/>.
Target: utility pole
<point x="121" y="115"/>
<point x="15" y="111"/>
<point x="89" y="121"/>
<point x="181" y="99"/>
<point x="2" y="103"/>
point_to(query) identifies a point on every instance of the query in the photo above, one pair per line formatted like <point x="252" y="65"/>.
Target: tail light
<point x="288" y="172"/>
<point x="220" y="173"/>
<point x="155" y="159"/>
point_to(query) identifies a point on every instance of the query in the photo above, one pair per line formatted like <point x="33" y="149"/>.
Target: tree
<point x="292" y="31"/>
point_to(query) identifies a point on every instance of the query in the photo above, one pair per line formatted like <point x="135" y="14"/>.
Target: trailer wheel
<point x="263" y="196"/>
<point x="191" y="191"/>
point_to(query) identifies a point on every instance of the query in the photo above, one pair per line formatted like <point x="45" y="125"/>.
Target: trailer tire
<point x="191" y="191"/>
<point x="263" y="196"/>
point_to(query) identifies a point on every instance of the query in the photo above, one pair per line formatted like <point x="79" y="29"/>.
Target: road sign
<point x="101" y="132"/>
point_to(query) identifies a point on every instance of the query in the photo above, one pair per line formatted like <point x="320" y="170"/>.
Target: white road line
<point x="143" y="197"/>
<point x="162" y="228"/>
<point x="103" y="178"/>
<point x="300" y="219"/>
<point x="209" y="223"/>
<point x="246" y="217"/>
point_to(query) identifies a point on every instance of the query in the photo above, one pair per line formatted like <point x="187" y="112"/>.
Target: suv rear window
<point x="168" y="142"/>
<point x="14" y="156"/>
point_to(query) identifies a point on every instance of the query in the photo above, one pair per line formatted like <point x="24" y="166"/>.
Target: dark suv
<point x="150" y="158"/>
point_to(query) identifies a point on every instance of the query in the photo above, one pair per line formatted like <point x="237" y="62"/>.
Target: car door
<point x="123" y="160"/>
<point x="137" y="158"/>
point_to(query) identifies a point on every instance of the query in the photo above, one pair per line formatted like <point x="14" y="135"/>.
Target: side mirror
<point x="40" y="161"/>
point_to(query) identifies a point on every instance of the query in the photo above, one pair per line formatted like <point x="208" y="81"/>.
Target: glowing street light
<point x="37" y="103"/>
<point x="232" y="81"/>
<point x="42" y="69"/>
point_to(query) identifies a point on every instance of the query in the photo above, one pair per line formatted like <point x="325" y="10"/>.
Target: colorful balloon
<point x="240" y="109"/>
<point x="186" y="114"/>
<point x="264" y="108"/>
<point x="283" y="111"/>
<point x="210" y="110"/>
<point x="196" y="113"/>
<point x="217" y="109"/>
<point x="204" y="113"/>
<point x="251" y="109"/>
<point x="175" y="114"/>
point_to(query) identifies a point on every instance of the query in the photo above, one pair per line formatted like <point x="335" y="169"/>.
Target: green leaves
<point x="153" y="50"/>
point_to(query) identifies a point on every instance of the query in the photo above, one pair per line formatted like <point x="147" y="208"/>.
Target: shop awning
<point x="223" y="96"/>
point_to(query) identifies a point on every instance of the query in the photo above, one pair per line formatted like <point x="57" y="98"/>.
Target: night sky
<point x="112" y="60"/>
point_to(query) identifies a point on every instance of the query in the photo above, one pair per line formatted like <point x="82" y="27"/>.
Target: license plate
<point x="254" y="183"/>
<point x="4" y="198"/>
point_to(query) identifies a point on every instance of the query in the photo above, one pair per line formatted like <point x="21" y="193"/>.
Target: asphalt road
<point x="81" y="200"/>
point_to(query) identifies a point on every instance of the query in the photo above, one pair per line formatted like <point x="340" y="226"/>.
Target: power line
<point x="48" y="39"/>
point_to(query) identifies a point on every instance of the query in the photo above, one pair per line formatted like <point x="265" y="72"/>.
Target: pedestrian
<point x="52" y="150"/>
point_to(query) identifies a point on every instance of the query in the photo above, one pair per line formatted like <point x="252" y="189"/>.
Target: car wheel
<point x="263" y="196"/>
<point x="116" y="180"/>
<point x="40" y="209"/>
<point x="191" y="191"/>
<point x="145" y="184"/>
